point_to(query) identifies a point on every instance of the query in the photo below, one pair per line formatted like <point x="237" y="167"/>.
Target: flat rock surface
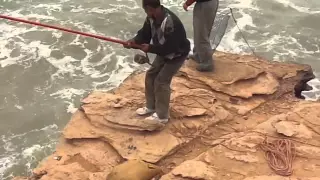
<point x="217" y="121"/>
<point x="129" y="144"/>
<point x="79" y="159"/>
<point x="239" y="156"/>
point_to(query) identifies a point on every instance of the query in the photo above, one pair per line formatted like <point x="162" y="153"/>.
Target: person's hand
<point x="128" y="44"/>
<point x="185" y="7"/>
<point x="145" y="47"/>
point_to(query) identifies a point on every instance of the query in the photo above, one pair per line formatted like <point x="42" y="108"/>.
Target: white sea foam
<point x="50" y="7"/>
<point x="116" y="77"/>
<point x="15" y="154"/>
<point x="299" y="8"/>
<point x="28" y="152"/>
<point x="7" y="162"/>
<point x="68" y="95"/>
<point x="314" y="94"/>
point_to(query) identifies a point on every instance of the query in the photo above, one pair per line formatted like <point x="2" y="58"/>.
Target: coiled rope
<point x="280" y="154"/>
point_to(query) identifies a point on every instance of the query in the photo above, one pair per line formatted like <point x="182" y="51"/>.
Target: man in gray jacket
<point x="204" y="13"/>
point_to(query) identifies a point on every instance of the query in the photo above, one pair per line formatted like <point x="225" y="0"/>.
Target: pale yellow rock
<point x="207" y="136"/>
<point x="134" y="170"/>
<point x="245" y="158"/>
<point x="194" y="170"/>
<point x="246" y="79"/>
<point x="149" y="148"/>
<point x="293" y="129"/>
<point x="280" y="178"/>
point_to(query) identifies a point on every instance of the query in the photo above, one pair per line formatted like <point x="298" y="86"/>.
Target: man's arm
<point x="189" y="2"/>
<point x="144" y="34"/>
<point x="172" y="40"/>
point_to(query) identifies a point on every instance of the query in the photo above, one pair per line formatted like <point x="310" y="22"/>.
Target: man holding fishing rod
<point x="162" y="34"/>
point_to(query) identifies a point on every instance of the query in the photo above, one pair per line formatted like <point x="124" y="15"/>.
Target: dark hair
<point x="151" y="3"/>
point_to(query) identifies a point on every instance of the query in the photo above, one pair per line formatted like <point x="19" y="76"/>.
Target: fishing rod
<point x="70" y="31"/>
<point x="146" y="59"/>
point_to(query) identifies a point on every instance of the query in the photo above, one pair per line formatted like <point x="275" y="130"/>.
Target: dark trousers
<point x="204" y="14"/>
<point x="157" y="84"/>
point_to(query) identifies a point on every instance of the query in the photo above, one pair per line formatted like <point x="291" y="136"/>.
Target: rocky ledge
<point x="218" y="121"/>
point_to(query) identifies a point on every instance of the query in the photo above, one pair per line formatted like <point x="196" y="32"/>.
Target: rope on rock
<point x="280" y="154"/>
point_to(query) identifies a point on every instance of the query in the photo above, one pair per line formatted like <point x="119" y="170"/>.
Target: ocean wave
<point x="20" y="153"/>
<point x="300" y="8"/>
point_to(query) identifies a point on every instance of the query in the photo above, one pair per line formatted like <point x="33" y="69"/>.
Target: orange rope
<point x="280" y="155"/>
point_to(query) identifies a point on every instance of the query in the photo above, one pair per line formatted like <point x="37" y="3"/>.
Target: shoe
<point x="194" y="58"/>
<point x="204" y="68"/>
<point x="154" y="117"/>
<point x="144" y="111"/>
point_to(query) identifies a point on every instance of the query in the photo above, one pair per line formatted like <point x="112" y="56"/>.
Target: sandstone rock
<point x="247" y="79"/>
<point x="308" y="151"/>
<point x="247" y="161"/>
<point x="280" y="178"/>
<point x="101" y="111"/>
<point x="194" y="170"/>
<point x="206" y="110"/>
<point x="129" y="144"/>
<point x="134" y="170"/>
<point x="301" y="122"/>
<point x="293" y="129"/>
<point x="245" y="158"/>
<point x="310" y="115"/>
<point x="79" y="159"/>
<point x="238" y="156"/>
<point x="20" y="178"/>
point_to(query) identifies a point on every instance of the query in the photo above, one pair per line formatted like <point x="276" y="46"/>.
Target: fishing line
<point x="245" y="39"/>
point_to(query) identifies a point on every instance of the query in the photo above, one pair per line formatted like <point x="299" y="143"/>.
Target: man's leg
<point x="203" y="19"/>
<point x="162" y="86"/>
<point x="194" y="56"/>
<point x="196" y="21"/>
<point x="151" y="75"/>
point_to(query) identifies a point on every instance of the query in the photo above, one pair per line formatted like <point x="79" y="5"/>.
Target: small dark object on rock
<point x="132" y="147"/>
<point x="234" y="100"/>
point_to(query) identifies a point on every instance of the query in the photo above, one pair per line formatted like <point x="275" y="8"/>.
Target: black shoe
<point x="205" y="68"/>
